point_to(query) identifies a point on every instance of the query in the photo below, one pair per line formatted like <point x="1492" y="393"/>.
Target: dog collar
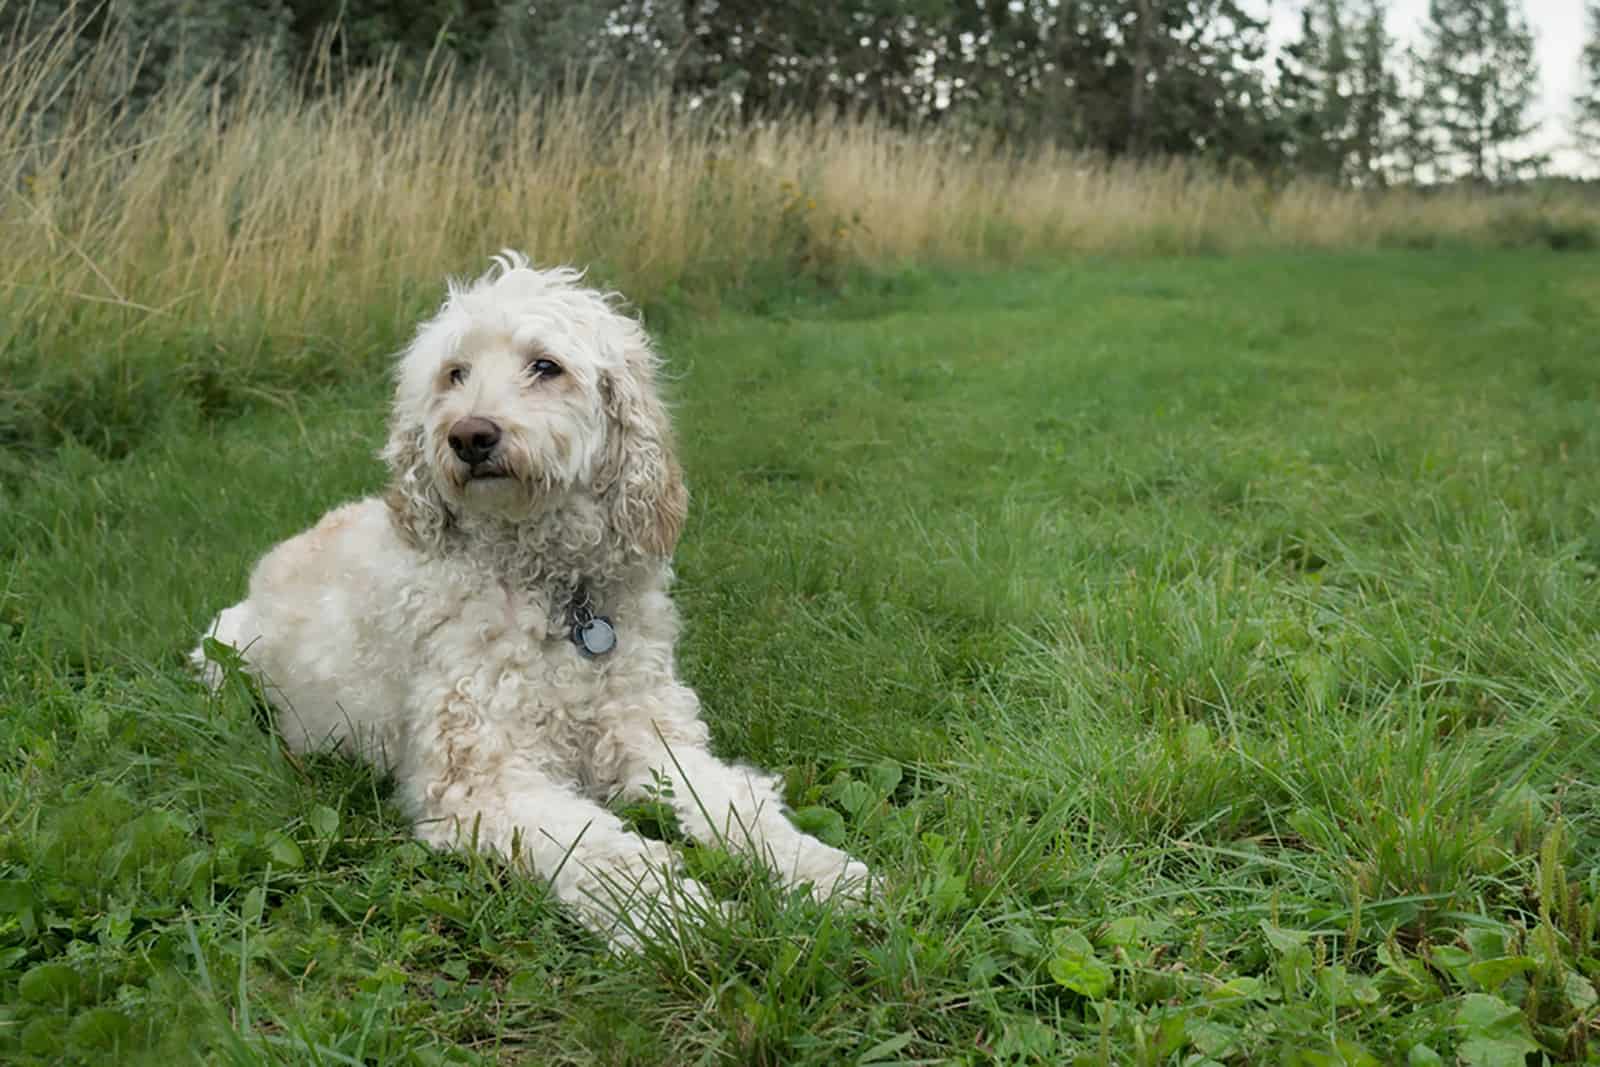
<point x="593" y="634"/>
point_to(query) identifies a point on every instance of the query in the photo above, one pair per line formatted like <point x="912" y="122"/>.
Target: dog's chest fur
<point x="510" y="681"/>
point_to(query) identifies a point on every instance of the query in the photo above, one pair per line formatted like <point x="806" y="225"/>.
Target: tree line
<point x="1343" y="99"/>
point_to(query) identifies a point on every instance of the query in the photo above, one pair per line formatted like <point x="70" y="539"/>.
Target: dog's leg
<point x="617" y="881"/>
<point x="742" y="808"/>
<point x="235" y="626"/>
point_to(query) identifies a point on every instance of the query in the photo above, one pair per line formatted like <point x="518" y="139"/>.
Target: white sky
<point x="1558" y="27"/>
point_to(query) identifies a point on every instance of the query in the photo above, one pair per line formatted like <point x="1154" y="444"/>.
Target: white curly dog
<point x="496" y="630"/>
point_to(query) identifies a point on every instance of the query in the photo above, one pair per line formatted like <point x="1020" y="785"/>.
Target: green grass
<point x="1205" y="651"/>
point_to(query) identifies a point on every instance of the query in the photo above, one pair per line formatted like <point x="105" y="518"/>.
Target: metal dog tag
<point x="594" y="638"/>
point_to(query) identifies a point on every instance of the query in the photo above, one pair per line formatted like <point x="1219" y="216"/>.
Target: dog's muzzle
<point x="475" y="441"/>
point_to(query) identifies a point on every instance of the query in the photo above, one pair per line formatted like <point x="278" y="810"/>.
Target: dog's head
<point x="528" y="386"/>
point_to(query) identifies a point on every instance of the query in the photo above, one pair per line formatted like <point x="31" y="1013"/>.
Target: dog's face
<point x="508" y="416"/>
<point x="528" y="385"/>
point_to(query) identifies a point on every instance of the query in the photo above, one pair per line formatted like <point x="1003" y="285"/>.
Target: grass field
<point x="1204" y="650"/>
<point x="271" y="231"/>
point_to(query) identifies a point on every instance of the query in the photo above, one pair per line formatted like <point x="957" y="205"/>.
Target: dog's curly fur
<point x="429" y="630"/>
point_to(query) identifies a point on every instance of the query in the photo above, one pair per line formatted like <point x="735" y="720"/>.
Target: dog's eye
<point x="544" y="368"/>
<point x="458" y="375"/>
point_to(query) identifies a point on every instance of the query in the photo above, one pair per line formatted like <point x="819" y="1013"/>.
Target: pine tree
<point x="1478" y="80"/>
<point x="1586" y="102"/>
<point x="1336" y="90"/>
<point x="1415" y="143"/>
<point x="1374" y="93"/>
<point x="1311" y="99"/>
<point x="1160" y="77"/>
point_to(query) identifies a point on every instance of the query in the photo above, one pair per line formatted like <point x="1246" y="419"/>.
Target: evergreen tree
<point x="1375" y="94"/>
<point x="1415" y="143"/>
<point x="1336" y="90"/>
<point x="1314" y="91"/>
<point x="786" y="57"/>
<point x="1127" y="77"/>
<point x="1137" y="77"/>
<point x="1478" y="81"/>
<point x="1586" y="102"/>
<point x="1198" y="64"/>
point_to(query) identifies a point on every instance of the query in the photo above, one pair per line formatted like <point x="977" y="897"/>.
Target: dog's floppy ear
<point x="640" y="482"/>
<point x="416" y="508"/>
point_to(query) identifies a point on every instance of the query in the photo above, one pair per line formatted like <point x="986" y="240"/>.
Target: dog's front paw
<point x="664" y="915"/>
<point x="853" y="885"/>
<point x="641" y="898"/>
<point x="833" y="875"/>
<point x="857" y="884"/>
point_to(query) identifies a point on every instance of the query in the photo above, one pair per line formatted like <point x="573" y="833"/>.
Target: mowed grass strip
<point x="1204" y="651"/>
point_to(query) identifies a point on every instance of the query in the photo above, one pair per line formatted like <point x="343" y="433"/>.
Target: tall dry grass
<point x="239" y="231"/>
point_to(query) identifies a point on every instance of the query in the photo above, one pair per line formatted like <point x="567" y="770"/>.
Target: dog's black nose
<point x="473" y="439"/>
